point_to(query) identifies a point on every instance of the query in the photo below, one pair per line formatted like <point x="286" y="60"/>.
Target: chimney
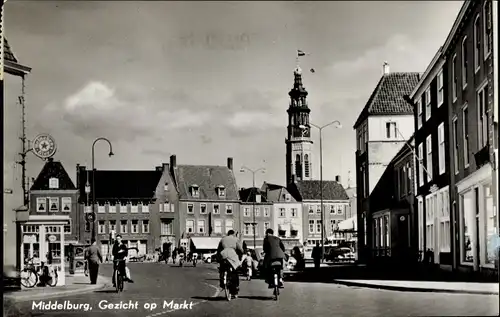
<point x="78" y="176"/>
<point x="173" y="161"/>
<point x="158" y="168"/>
<point x="165" y="167"/>
<point x="337" y="179"/>
<point x="230" y="163"/>
<point x="385" y="68"/>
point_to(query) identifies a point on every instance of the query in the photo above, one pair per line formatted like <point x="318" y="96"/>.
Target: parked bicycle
<point x="32" y="274"/>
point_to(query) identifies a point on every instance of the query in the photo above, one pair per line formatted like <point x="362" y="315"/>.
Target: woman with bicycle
<point x="120" y="253"/>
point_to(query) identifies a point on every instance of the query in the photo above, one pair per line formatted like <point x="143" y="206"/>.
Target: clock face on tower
<point x="44" y="146"/>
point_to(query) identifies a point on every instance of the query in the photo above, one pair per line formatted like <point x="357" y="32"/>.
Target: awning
<point x="348" y="224"/>
<point x="205" y="243"/>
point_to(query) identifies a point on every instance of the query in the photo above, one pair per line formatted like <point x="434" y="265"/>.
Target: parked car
<point x="340" y="254"/>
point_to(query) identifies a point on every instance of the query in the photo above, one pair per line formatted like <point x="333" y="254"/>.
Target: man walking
<point x="316" y="255"/>
<point x="93" y="257"/>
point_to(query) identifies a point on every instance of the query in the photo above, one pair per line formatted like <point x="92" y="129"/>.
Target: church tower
<point x="298" y="141"/>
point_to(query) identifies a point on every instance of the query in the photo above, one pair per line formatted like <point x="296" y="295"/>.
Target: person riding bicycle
<point x="229" y="251"/>
<point x="120" y="253"/>
<point x="274" y="251"/>
<point x="181" y="253"/>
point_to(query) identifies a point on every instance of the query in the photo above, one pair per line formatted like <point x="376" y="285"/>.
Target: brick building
<point x="471" y="101"/>
<point x="382" y="128"/>
<point x="254" y="206"/>
<point x="208" y="201"/>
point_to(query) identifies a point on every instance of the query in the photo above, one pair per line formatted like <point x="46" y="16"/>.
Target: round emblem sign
<point x="402" y="218"/>
<point x="44" y="146"/>
<point x="91" y="217"/>
<point x="52" y="238"/>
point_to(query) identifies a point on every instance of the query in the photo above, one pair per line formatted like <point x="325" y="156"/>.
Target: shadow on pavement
<point x="210" y="299"/>
<point x="257" y="297"/>
<point x="106" y="291"/>
<point x="211" y="279"/>
<point x="420" y="273"/>
<point x="80" y="283"/>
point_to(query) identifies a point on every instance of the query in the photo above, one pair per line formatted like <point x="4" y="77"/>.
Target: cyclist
<point x="274" y="251"/>
<point x="181" y="253"/>
<point x="120" y="253"/>
<point x="229" y="250"/>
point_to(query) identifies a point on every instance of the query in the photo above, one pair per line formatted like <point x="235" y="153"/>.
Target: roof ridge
<point x="370" y="100"/>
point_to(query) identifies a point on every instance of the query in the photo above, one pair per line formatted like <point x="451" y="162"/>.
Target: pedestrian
<point x="71" y="258"/>
<point x="93" y="257"/>
<point x="316" y="255"/>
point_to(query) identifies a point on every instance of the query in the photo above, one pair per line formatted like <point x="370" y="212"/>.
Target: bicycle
<point x="228" y="279"/>
<point x="119" y="279"/>
<point x="181" y="260"/>
<point x="33" y="276"/>
<point x="276" y="270"/>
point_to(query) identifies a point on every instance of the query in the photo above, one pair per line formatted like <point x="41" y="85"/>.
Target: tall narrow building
<point x="298" y="141"/>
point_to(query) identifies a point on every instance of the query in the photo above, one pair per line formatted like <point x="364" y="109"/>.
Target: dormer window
<point x="195" y="190"/>
<point x="165" y="187"/>
<point x="53" y="183"/>
<point x="221" y="191"/>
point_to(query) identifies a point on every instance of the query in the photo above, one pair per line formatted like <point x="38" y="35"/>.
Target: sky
<point x="204" y="80"/>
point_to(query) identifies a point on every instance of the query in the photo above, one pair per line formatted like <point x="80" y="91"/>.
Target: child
<point x="249" y="264"/>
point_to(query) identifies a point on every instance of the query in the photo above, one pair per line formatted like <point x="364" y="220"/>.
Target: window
<point x="101" y="208"/>
<point x="441" y="149"/>
<point x="311" y="226"/>
<point x="487" y="28"/>
<point x="340" y="209"/>
<point x="203" y="208"/>
<point x="294" y="212"/>
<point x="67" y="228"/>
<point x="54" y="204"/>
<point x="53" y="183"/>
<point x="267" y="225"/>
<point x="318" y="209"/>
<point x="428" y="110"/>
<point x="390" y="129"/>
<point x="165" y="187"/>
<point x="41" y="204"/>
<point x="443" y="208"/>
<point x="282" y="212"/>
<point x="288" y="197"/>
<point x="112" y="208"/>
<point x="408" y="178"/>
<point x="429" y="223"/>
<point x="222" y="191"/>
<point x="166" y="207"/>
<point x="318" y="226"/>
<point x="145" y="208"/>
<point x="134" y="208"/>
<point x="482" y="116"/>
<point x="216" y="209"/>
<point x="428" y="147"/>
<point x="229" y="224"/>
<point x="365" y="136"/>
<point x="306" y="165"/>
<point x="454" y="86"/>
<point x="112" y="225"/>
<point x="195" y="192"/>
<point x="247" y="229"/>
<point x="455" y="143"/>
<point x="477" y="43"/>
<point x="465" y="124"/>
<point x="420" y="224"/>
<point x="190" y="208"/>
<point x="332" y="209"/>
<point x="145" y="226"/>
<point x="490" y="223"/>
<point x="257" y="212"/>
<point x="201" y="226"/>
<point x="467" y="221"/>
<point x="419" y="112"/>
<point x="266" y="212"/>
<point x="464" y="62"/>
<point x="229" y="209"/>
<point x="123" y="226"/>
<point x="333" y="225"/>
<point x="298" y="170"/>
<point x="440" y="90"/>
<point x="66" y="204"/>
<point x="167" y="228"/>
<point x="218" y="226"/>
<point x="123" y="208"/>
<point x="189" y="226"/>
<point x="420" y="164"/>
<point x="311" y="209"/>
<point x="88" y="209"/>
<point x="246" y="212"/>
<point x="161" y="207"/>
<point x="135" y="226"/>
<point x="401" y="181"/>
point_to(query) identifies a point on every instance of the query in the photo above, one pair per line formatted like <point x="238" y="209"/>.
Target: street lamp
<point x="320" y="128"/>
<point x="243" y="170"/>
<point x="93" y="180"/>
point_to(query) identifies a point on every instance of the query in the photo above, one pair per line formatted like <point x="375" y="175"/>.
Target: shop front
<point x="42" y="239"/>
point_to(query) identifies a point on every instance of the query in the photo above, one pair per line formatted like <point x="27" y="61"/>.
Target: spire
<point x="298" y="91"/>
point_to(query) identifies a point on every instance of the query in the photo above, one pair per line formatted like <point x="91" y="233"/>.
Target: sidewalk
<point x="426" y="286"/>
<point x="75" y="284"/>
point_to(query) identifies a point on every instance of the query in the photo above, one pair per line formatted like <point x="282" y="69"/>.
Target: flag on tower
<point x="301" y="53"/>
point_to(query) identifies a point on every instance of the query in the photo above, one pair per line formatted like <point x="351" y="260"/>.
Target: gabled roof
<point x="121" y="185"/>
<point x="53" y="169"/>
<point x="310" y="190"/>
<point x="268" y="186"/>
<point x="208" y="178"/>
<point x="279" y="195"/>
<point x="387" y="98"/>
<point x="249" y="194"/>
<point x="7" y="51"/>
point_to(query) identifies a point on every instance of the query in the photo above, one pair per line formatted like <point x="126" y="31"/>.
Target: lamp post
<point x="320" y="128"/>
<point x="263" y="170"/>
<point x="93" y="179"/>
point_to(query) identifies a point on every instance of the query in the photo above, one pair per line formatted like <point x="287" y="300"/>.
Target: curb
<point x="84" y="290"/>
<point x="415" y="289"/>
